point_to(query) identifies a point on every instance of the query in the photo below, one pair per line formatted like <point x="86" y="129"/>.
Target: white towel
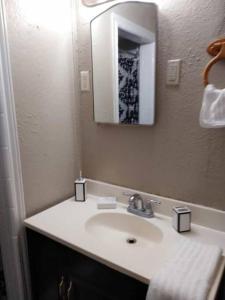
<point x="212" y="113"/>
<point x="188" y="275"/>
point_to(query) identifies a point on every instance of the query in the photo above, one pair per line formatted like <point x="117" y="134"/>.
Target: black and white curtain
<point x="128" y="86"/>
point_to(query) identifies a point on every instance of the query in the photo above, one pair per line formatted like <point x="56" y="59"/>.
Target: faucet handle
<point x="128" y="194"/>
<point x="148" y="206"/>
<point x="154" y="201"/>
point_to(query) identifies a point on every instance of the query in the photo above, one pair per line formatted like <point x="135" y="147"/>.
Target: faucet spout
<point x="137" y="202"/>
<point x="138" y="207"/>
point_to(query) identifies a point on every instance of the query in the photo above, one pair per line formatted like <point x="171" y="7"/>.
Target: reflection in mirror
<point x="123" y="54"/>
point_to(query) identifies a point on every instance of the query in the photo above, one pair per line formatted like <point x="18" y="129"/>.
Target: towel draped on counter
<point x="188" y="275"/>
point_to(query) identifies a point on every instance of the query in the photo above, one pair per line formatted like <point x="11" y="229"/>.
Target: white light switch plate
<point x="173" y="72"/>
<point x="85" y="81"/>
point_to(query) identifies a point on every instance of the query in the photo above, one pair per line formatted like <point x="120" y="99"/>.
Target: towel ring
<point x="216" y="49"/>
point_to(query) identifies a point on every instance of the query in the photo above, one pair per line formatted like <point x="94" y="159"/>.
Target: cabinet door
<point x="93" y="278"/>
<point x="221" y="291"/>
<point x="46" y="266"/>
<point x="88" y="279"/>
<point x="82" y="291"/>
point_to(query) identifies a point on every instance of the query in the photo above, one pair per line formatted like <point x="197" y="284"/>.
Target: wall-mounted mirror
<point x="124" y="57"/>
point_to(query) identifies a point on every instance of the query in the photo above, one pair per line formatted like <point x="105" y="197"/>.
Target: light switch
<point x="173" y="72"/>
<point x="85" y="81"/>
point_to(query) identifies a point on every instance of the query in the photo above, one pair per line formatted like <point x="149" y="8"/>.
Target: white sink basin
<point x="128" y="229"/>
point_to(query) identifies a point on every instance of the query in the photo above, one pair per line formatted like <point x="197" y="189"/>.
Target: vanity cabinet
<point x="60" y="273"/>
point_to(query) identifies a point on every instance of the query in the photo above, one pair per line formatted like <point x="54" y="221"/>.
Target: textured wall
<point x="175" y="157"/>
<point x="40" y="38"/>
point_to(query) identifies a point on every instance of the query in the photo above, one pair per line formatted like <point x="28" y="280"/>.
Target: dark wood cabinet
<point x="59" y="273"/>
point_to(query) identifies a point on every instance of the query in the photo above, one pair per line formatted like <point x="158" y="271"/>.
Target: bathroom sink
<point x="125" y="228"/>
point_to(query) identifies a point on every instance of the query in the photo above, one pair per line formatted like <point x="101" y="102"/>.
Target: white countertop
<point x="66" y="223"/>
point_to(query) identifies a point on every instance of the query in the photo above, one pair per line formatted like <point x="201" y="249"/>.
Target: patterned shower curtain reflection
<point x="129" y="86"/>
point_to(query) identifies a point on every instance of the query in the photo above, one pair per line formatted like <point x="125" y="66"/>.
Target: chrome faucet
<point x="138" y="207"/>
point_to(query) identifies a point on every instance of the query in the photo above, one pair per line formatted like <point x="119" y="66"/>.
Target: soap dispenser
<point x="80" y="188"/>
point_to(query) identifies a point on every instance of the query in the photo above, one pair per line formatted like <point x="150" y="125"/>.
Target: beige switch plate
<point x="173" y="72"/>
<point x="85" y="81"/>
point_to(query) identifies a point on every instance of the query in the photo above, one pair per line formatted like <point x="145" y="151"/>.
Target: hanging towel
<point x="212" y="113"/>
<point x="188" y="275"/>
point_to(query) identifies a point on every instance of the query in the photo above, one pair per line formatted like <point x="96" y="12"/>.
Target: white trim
<point x="133" y="31"/>
<point x="74" y="17"/>
<point x="115" y="70"/>
<point x="12" y="209"/>
<point x="147" y="84"/>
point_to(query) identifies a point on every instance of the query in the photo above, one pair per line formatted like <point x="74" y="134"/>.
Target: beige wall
<point x="41" y="49"/>
<point x="174" y="158"/>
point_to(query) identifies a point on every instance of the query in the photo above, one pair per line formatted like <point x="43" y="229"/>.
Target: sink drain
<point x="131" y="240"/>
